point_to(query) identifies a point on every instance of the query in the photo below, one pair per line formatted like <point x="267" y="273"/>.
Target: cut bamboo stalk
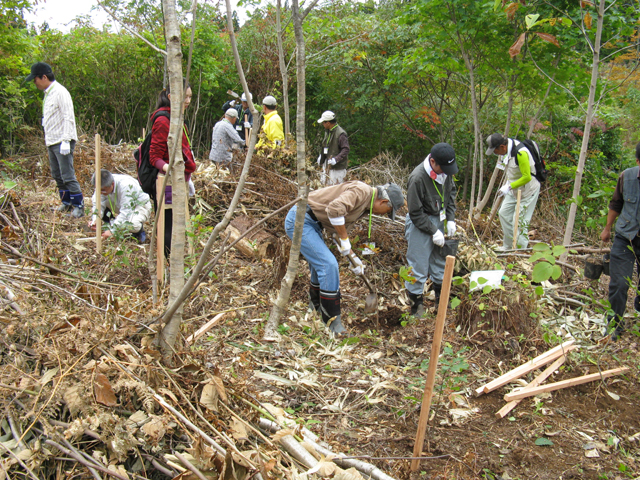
<point x="433" y="361"/>
<point x="534" y="383"/>
<point x="565" y="383"/>
<point x="203" y="329"/>
<point x="98" y="187"/>
<point x="516" y="220"/>
<point x="517" y="372"/>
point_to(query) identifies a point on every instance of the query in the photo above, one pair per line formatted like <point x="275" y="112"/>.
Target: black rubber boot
<point x="417" y="304"/>
<point x="437" y="288"/>
<point x="330" y="310"/>
<point x="314" y="297"/>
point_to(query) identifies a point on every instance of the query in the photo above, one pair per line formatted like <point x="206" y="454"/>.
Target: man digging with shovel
<point x="336" y="209"/>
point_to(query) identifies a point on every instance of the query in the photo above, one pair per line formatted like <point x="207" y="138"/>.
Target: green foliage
<point x="546" y="267"/>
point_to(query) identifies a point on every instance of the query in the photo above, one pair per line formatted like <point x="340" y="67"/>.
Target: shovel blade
<point x="371" y="303"/>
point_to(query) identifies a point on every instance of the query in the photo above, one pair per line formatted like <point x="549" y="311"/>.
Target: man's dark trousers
<point x="624" y="255"/>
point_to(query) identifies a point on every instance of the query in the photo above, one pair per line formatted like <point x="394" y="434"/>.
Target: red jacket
<point x="158" y="150"/>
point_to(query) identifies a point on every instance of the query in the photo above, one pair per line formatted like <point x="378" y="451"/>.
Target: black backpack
<point x="541" y="168"/>
<point x="147" y="173"/>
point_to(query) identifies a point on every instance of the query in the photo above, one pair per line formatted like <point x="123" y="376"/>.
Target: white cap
<point x="232" y="112"/>
<point x="269" y="101"/>
<point x="327" y="116"/>
<point x="244" y="97"/>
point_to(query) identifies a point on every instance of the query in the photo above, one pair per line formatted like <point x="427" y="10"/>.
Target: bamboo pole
<point x="516" y="220"/>
<point x="98" y="186"/>
<point x="433" y="362"/>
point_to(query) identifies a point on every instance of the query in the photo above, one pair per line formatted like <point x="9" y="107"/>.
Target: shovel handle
<point x="353" y="264"/>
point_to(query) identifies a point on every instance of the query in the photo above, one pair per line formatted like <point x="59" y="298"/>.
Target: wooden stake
<point x="537" y="362"/>
<point x="516" y="220"/>
<point x="98" y="147"/>
<point x="564" y="384"/>
<point x="433" y="361"/>
<point x="534" y="383"/>
<point x="160" y="232"/>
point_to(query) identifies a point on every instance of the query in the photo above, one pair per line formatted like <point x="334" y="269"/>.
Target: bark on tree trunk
<point x="173" y="307"/>
<point x="285" y="75"/>
<point x="476" y="127"/>
<point x="587" y="129"/>
<point x="169" y="333"/>
<point x="270" y="332"/>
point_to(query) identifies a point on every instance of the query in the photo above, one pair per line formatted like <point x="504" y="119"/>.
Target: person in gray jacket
<point x="431" y="200"/>
<point x="224" y="138"/>
<point x="334" y="150"/>
<point x="625" y="250"/>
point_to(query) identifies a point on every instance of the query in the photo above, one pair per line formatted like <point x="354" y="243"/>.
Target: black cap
<point x="494" y="141"/>
<point x="445" y="157"/>
<point x="37" y="70"/>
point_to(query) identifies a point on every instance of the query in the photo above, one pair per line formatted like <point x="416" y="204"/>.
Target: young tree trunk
<point x="169" y="333"/>
<point x="202" y="262"/>
<point x="284" y="73"/>
<point x="467" y="173"/>
<point x="278" y="309"/>
<point x="494" y="175"/>
<point x="476" y="126"/>
<point x="587" y="128"/>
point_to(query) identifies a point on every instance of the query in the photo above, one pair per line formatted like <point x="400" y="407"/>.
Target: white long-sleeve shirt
<point x="126" y="200"/>
<point x="58" y="119"/>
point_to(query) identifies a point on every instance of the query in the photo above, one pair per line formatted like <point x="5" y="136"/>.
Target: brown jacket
<point x="351" y="200"/>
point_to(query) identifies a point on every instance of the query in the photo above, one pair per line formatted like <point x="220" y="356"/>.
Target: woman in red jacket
<point x="159" y="151"/>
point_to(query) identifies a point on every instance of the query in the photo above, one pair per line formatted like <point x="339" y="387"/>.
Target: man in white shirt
<point x="123" y="206"/>
<point x="59" y="123"/>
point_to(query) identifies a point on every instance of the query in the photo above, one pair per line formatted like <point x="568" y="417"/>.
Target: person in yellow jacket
<point x="272" y="126"/>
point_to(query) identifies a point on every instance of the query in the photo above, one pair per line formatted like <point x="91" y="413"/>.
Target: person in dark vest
<point x="333" y="151"/>
<point x="625" y="250"/>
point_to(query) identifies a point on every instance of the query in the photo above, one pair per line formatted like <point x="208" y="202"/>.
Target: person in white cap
<point x="245" y="117"/>
<point x="333" y="151"/>
<point x="272" y="126"/>
<point x="224" y="138"/>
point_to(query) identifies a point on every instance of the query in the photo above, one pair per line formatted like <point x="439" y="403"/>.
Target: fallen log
<point x="531" y="365"/>
<point x="564" y="384"/>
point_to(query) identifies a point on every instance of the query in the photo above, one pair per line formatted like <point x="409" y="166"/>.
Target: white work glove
<point x="358" y="267"/>
<point x="65" y="148"/>
<point x="247" y="125"/>
<point x="232" y="103"/>
<point x="345" y="246"/>
<point x="319" y="159"/>
<point x="192" y="188"/>
<point x="438" y="238"/>
<point x="504" y="190"/>
<point x="451" y="228"/>
<point x="331" y="161"/>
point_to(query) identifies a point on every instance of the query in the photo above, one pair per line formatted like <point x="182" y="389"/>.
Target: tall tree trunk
<point x="284" y="73"/>
<point x="278" y="309"/>
<point x="220" y="227"/>
<point x="467" y="173"/>
<point x="587" y="128"/>
<point x="170" y="331"/>
<point x="476" y="126"/>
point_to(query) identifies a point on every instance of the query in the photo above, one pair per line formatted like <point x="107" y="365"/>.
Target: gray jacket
<point x="423" y="199"/>
<point x="628" y="224"/>
<point x="222" y="140"/>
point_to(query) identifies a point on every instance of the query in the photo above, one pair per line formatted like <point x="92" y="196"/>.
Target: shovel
<point x="371" y="302"/>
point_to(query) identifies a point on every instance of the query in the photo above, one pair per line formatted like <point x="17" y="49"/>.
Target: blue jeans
<point x="422" y="255"/>
<point x="65" y="176"/>
<point x="322" y="263"/>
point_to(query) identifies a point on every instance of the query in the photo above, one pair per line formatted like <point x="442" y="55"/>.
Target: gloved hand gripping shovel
<point x="371" y="302"/>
